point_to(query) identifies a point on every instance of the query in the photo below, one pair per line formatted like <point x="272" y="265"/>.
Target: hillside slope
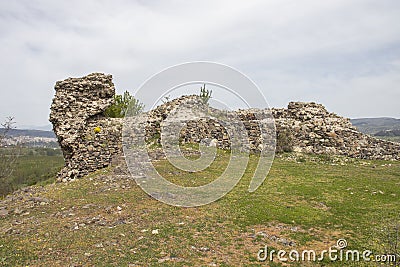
<point x="105" y="219"/>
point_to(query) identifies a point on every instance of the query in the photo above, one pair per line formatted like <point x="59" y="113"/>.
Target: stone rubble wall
<point x="214" y="129"/>
<point x="315" y="130"/>
<point x="90" y="141"/>
<point x="77" y="109"/>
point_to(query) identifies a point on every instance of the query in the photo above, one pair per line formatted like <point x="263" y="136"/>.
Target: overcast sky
<point x="343" y="54"/>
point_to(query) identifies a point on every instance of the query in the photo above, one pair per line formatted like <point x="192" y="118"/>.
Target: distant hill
<point x="374" y="125"/>
<point x="381" y="128"/>
<point x="29" y="133"/>
<point x="388" y="133"/>
<point x="47" y="127"/>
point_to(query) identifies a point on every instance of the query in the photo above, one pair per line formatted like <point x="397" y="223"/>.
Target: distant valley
<point x="383" y="128"/>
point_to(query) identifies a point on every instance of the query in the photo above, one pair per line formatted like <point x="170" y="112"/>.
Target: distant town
<point x="32" y="141"/>
<point x="30" y="138"/>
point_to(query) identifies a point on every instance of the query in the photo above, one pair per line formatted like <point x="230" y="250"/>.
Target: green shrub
<point x="123" y="103"/>
<point x="284" y="140"/>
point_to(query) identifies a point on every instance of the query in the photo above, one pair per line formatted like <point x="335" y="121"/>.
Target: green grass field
<point x="306" y="202"/>
<point x="34" y="165"/>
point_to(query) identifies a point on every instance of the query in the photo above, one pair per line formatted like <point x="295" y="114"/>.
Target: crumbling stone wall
<point x="90" y="141"/>
<point x="87" y="138"/>
<point x="315" y="130"/>
<point x="215" y="130"/>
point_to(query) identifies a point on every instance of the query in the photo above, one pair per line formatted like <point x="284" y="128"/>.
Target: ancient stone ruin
<point x="215" y="127"/>
<point x="87" y="138"/>
<point x="315" y="130"/>
<point x="90" y="141"/>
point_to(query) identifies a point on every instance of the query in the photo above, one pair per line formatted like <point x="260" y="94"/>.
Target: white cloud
<point x="294" y="50"/>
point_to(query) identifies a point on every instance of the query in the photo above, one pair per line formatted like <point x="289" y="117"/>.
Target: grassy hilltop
<point x="105" y="219"/>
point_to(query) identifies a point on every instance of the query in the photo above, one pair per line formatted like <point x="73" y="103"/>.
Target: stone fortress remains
<point x="90" y="141"/>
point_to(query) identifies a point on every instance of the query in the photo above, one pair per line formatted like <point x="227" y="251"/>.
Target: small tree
<point x="166" y="99"/>
<point x="121" y="105"/>
<point x="205" y="94"/>
<point x="8" y="155"/>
